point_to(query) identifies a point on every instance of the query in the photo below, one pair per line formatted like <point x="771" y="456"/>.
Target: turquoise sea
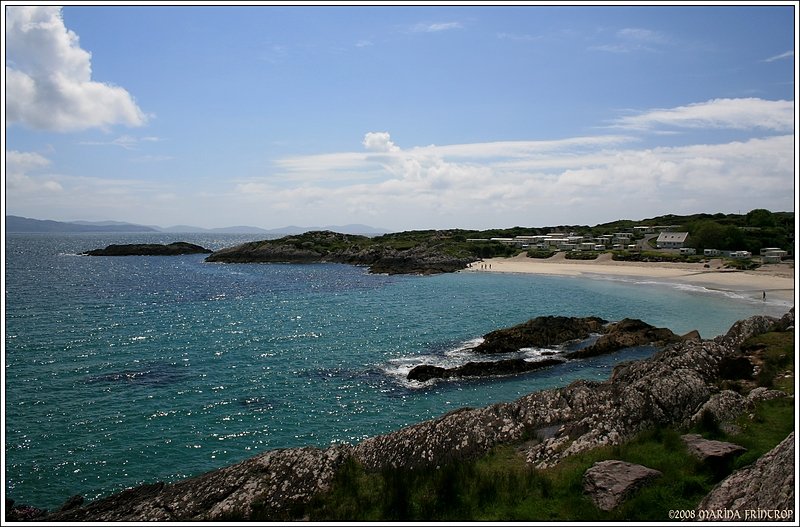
<point x="121" y="371"/>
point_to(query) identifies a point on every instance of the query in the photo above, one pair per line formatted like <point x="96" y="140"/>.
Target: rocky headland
<point x="678" y="386"/>
<point x="387" y="254"/>
<point x="149" y="249"/>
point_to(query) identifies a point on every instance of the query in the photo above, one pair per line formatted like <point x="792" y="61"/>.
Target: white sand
<point x="776" y="280"/>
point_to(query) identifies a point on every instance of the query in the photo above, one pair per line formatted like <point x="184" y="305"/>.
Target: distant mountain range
<point x="19" y="224"/>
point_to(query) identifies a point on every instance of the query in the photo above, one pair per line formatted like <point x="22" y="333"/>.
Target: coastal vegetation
<point x="435" y="251"/>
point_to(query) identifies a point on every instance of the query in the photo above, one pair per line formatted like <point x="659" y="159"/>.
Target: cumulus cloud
<point x="49" y="82"/>
<point x="572" y="180"/>
<point x="379" y="142"/>
<point x="738" y="114"/>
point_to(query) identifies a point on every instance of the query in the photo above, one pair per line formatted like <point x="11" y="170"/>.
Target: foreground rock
<point x="268" y="484"/>
<point x="609" y="483"/>
<point x="709" y="450"/>
<point x="763" y="491"/>
<point x="149" y="249"/>
<point x="425" y="257"/>
<point x="665" y="390"/>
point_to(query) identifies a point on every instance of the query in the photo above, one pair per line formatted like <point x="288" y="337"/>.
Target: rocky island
<point x="426" y="252"/>
<point x="690" y="385"/>
<point x="149" y="249"/>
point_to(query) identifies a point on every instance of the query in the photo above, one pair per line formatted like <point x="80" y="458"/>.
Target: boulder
<point x="609" y="483"/>
<point x="764" y="487"/>
<point x="710" y="450"/>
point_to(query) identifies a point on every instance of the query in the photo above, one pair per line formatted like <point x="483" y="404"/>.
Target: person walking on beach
<point x="763" y="296"/>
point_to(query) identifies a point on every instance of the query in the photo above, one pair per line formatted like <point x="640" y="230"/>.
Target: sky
<point x="399" y="117"/>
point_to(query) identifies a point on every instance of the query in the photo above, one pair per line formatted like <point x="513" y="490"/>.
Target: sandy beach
<point x="777" y="281"/>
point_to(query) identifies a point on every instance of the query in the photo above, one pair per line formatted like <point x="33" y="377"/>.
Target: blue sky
<point x="398" y="117"/>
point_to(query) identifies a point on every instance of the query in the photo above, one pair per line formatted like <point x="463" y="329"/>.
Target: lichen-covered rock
<point x="609" y="483"/>
<point x="766" y="485"/>
<point x="461" y="434"/>
<point x="722" y="407"/>
<point x="268" y="484"/>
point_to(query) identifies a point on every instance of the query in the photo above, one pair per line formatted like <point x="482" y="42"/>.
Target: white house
<point x="671" y="240"/>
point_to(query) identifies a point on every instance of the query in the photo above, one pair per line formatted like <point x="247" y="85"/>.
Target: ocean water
<point x="127" y="370"/>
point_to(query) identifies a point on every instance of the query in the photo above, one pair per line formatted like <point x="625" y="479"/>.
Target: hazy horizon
<point x="397" y="117"/>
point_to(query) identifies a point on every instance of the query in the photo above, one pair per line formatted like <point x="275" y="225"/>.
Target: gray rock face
<point x="609" y="483"/>
<point x="724" y="406"/>
<point x="709" y="449"/>
<point x="461" y="434"/>
<point x="269" y="483"/>
<point x="766" y="485"/>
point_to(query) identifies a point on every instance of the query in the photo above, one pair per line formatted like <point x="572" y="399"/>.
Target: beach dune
<point x="775" y="281"/>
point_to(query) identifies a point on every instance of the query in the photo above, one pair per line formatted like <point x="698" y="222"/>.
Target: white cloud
<point x="574" y="180"/>
<point x="738" y="114"/>
<point x="379" y="142"/>
<point x="628" y="40"/>
<point x="128" y="142"/>
<point x="21" y="168"/>
<point x="49" y="82"/>
<point x="435" y="27"/>
<point x="784" y="55"/>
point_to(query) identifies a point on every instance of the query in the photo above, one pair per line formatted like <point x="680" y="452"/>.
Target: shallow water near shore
<point x="126" y="370"/>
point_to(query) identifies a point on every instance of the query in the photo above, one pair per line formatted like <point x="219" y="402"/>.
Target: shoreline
<point x="776" y="281"/>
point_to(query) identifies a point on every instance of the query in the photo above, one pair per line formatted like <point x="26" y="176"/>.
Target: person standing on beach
<point x="763" y="295"/>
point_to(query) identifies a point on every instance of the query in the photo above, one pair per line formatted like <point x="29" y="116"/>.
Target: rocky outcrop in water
<point x="332" y="247"/>
<point x="149" y="249"/>
<point x="665" y="390"/>
<point x="426" y="372"/>
<point x="624" y="334"/>
<point x="550" y="331"/>
<point x="540" y="332"/>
